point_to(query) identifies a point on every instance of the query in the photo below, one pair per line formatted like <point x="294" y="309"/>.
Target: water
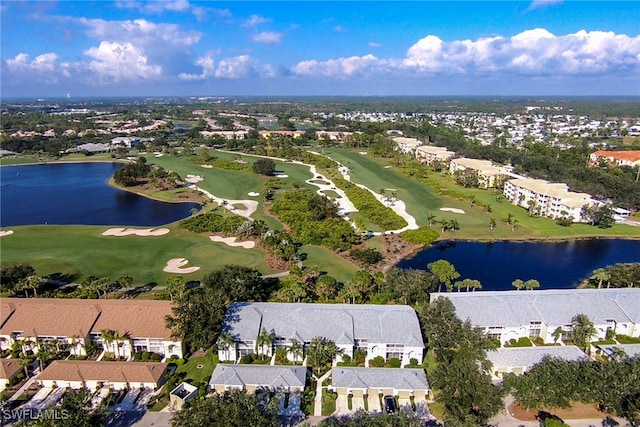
<point x="554" y="264"/>
<point x="77" y="193"/>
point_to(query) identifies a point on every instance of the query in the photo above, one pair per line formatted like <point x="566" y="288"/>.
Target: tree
<point x="265" y="339"/>
<point x="320" y="353"/>
<point x="296" y="349"/>
<point x="598" y="216"/>
<point x="265" y="167"/>
<point x="518" y="284"/>
<point x="582" y="330"/>
<point x="531" y="284"/>
<point x="12" y="274"/>
<point x="226" y="341"/>
<point x="234" y="408"/>
<point x="444" y="271"/>
<point x="492" y="223"/>
<point x="556" y="334"/>
<point x="75" y="410"/>
<point x="600" y="275"/>
<point x="175" y="286"/>
<point x="431" y="219"/>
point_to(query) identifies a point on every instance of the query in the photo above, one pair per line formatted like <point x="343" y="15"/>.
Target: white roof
<point x="272" y="377"/>
<point x="630" y="350"/>
<point x="341" y="323"/>
<point x="364" y="378"/>
<point x="524" y="357"/>
<point x="553" y="307"/>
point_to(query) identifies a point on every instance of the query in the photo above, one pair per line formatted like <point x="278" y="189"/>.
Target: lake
<point x="77" y="193"/>
<point x="554" y="264"/>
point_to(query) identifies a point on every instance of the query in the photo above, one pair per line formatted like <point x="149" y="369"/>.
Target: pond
<point x="554" y="264"/>
<point x="77" y="193"/>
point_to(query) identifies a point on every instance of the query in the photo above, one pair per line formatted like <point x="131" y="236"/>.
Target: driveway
<point x="374" y="404"/>
<point x="357" y="403"/>
<point x="342" y="406"/>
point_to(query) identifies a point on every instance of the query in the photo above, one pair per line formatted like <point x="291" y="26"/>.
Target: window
<point x="139" y="344"/>
<point x="534" y="329"/>
<point x="156" y="345"/>
<point x="567" y="332"/>
<point x="362" y="344"/>
<point x="495" y="332"/>
<point x="395" y="350"/>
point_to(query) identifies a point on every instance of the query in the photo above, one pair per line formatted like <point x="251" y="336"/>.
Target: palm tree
<point x="175" y="286"/>
<point x="601" y="275"/>
<point x="582" y="330"/>
<point x="296" y="349"/>
<point x="107" y="338"/>
<point x="556" y="334"/>
<point x="518" y="284"/>
<point x="492" y="223"/>
<point x="25" y="363"/>
<point x="431" y="219"/>
<point x="514" y="222"/>
<point x="226" y="341"/>
<point x="264" y="339"/>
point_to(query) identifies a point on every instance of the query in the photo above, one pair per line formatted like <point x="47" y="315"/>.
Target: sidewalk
<point x="317" y="404"/>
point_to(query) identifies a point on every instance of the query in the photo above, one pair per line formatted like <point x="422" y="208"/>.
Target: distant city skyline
<point x="325" y="48"/>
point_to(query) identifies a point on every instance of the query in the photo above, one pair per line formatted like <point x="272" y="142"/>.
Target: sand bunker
<point x="231" y="241"/>
<point x="175" y="266"/>
<point x="387" y="167"/>
<point x="137" y="232"/>
<point x="193" y="178"/>
<point x="158" y="154"/>
<point x="207" y="166"/>
<point x="363" y="152"/>
<point x="454" y="210"/>
<point x="281" y="175"/>
<point x="253" y="194"/>
<point x="6" y="233"/>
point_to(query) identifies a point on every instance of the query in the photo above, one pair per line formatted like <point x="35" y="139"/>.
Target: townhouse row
<point x="122" y="327"/>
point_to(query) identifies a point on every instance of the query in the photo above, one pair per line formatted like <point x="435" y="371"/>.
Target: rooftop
<point x="114" y="372"/>
<point x="528" y="356"/>
<point x="630" y="350"/>
<point x="273" y="377"/>
<point x="553" y="307"/>
<point x="397" y="379"/>
<point x="9" y="368"/>
<point x="341" y="323"/>
<point x="632" y="155"/>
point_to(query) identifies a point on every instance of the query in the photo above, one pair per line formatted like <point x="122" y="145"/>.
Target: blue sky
<point x="202" y="48"/>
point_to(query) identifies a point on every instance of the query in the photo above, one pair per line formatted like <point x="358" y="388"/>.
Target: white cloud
<point x="255" y="20"/>
<point x="43" y="67"/>
<point x="374" y="44"/>
<point x="208" y="69"/>
<point x="141" y="31"/>
<point x="115" y="62"/>
<point x="267" y="37"/>
<point x="340" y="68"/>
<point x="535" y="52"/>
<point x="542" y="4"/>
<point x="235" y="68"/>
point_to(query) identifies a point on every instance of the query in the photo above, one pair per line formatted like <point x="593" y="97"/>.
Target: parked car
<point x="390" y="404"/>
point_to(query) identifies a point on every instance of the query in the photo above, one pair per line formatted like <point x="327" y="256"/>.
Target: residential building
<point x="252" y="378"/>
<point x="548" y="314"/>
<point x="119" y="326"/>
<point x="226" y="134"/>
<point x="553" y="200"/>
<point x="390" y="331"/>
<point x="519" y="360"/>
<point x="10" y="369"/>
<point x="125" y="141"/>
<point x="92" y="375"/>
<point x="616" y="158"/>
<point x="359" y="382"/>
<point x="488" y="174"/>
<point x="618" y="351"/>
<point x="427" y="154"/>
<point x="407" y="145"/>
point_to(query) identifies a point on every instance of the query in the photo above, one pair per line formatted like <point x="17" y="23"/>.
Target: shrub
<point x="394" y="362"/>
<point x="626" y="339"/>
<point x="246" y="359"/>
<point x="145" y="356"/>
<point x="137" y="356"/>
<point x="346" y="358"/>
<point x="359" y="356"/>
<point x="281" y="356"/>
<point x="413" y="361"/>
<point x="155" y="357"/>
<point x="377" y="362"/>
<point x="367" y="256"/>
<point x="421" y="236"/>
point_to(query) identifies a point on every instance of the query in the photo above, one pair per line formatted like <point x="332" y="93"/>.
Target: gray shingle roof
<point x="553" y="307"/>
<point x="274" y="377"/>
<point x="341" y="323"/>
<point x="630" y="350"/>
<point x="528" y="356"/>
<point x="398" y="379"/>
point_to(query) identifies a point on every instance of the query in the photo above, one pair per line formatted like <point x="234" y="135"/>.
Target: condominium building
<point x="553" y="200"/>
<point x="427" y="154"/>
<point x="488" y="174"/>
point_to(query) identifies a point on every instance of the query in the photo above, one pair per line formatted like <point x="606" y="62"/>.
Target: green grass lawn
<point x="199" y="369"/>
<point x="326" y="260"/>
<point x="76" y="251"/>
